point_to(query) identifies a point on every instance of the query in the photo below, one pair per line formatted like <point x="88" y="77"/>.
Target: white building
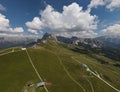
<point x="23" y="48"/>
<point x="40" y="84"/>
<point x="85" y="67"/>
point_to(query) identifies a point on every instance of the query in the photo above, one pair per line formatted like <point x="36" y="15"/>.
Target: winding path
<point x="2" y="54"/>
<point x="35" y="69"/>
<point x="70" y="75"/>
<point x="65" y="71"/>
<point x="99" y="77"/>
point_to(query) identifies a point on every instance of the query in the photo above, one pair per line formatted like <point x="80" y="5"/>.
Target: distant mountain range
<point x="93" y="43"/>
<point x="68" y="67"/>
<point x="109" y="47"/>
<point x="6" y="42"/>
<point x="90" y="42"/>
<point x="112" y="41"/>
<point x="99" y="42"/>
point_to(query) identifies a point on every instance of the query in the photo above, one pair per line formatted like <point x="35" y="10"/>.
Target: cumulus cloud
<point x="109" y="4"/>
<point x="113" y="4"/>
<point x="72" y="19"/>
<point x="11" y="35"/>
<point x="4" y="23"/>
<point x="2" y="8"/>
<point x="5" y="26"/>
<point x="96" y="3"/>
<point x="36" y="24"/>
<point x="82" y="34"/>
<point x="33" y="31"/>
<point x="113" y="30"/>
<point x="17" y="30"/>
<point x="87" y="34"/>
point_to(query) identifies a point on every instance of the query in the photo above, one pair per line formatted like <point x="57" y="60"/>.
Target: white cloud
<point x="82" y="34"/>
<point x="109" y="4"/>
<point x="5" y="26"/>
<point x="33" y="31"/>
<point x="96" y="3"/>
<point x="11" y="35"/>
<point x="113" y="30"/>
<point x="4" y="23"/>
<point x="72" y="19"/>
<point x="36" y="24"/>
<point x="2" y="8"/>
<point x="87" y="34"/>
<point x="17" y="30"/>
<point x="113" y="4"/>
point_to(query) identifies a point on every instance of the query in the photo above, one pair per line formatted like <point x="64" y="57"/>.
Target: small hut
<point x="23" y="48"/>
<point x="85" y="67"/>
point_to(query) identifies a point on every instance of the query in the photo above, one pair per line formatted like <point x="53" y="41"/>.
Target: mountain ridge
<point x="69" y="67"/>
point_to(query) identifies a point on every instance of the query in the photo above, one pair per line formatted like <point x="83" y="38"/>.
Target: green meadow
<point x="57" y="64"/>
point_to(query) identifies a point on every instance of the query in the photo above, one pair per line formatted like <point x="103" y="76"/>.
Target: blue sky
<point x="19" y="12"/>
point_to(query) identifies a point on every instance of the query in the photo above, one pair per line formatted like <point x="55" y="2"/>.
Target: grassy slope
<point x="15" y="72"/>
<point x="111" y="73"/>
<point x="108" y="72"/>
<point x="54" y="63"/>
<point x="50" y="69"/>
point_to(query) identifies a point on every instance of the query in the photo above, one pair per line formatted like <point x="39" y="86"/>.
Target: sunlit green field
<point x="58" y="65"/>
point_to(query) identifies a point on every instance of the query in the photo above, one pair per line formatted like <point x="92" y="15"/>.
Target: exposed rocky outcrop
<point x="93" y="43"/>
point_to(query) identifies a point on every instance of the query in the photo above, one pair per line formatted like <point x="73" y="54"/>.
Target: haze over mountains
<point x="107" y="45"/>
<point x="98" y="42"/>
<point x="113" y="41"/>
<point x="6" y="42"/>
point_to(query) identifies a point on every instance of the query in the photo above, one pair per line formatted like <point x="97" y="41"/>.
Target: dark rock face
<point x="98" y="42"/>
<point x="49" y="36"/>
<point x="64" y="39"/>
<point x="93" y="43"/>
<point x="45" y="36"/>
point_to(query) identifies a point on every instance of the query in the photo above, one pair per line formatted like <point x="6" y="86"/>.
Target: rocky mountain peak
<point x="49" y="36"/>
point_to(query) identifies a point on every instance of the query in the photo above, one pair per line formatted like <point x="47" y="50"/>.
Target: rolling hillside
<point x="59" y="64"/>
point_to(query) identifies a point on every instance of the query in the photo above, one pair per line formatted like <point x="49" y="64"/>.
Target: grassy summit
<point x="57" y="64"/>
